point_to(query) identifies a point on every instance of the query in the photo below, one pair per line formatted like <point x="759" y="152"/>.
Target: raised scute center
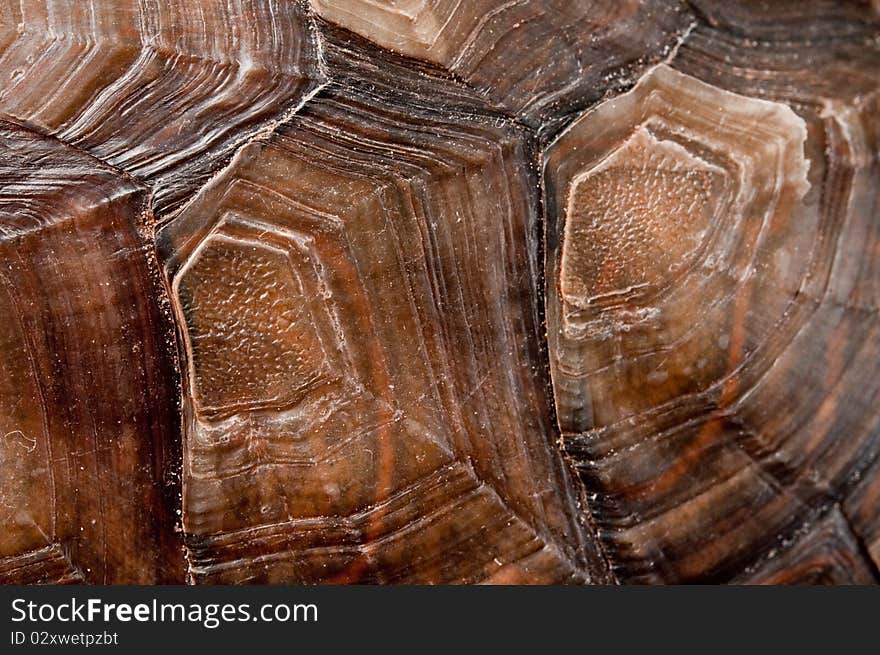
<point x="634" y="220"/>
<point x="251" y="336"/>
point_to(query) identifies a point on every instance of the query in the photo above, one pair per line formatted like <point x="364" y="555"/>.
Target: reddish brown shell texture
<point x="432" y="291"/>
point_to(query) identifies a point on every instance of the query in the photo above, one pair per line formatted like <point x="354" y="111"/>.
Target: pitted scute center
<point x="634" y="220"/>
<point x="250" y="333"/>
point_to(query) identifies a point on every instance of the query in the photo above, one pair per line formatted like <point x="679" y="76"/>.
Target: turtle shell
<point x="352" y="292"/>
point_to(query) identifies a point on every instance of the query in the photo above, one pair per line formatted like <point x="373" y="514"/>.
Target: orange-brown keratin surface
<point x="434" y="291"/>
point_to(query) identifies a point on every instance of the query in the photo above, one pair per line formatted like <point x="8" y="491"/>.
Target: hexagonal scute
<point x="87" y="492"/>
<point x="655" y="222"/>
<point x="364" y="394"/>
<point x="429" y="291"/>
<point x="699" y="317"/>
